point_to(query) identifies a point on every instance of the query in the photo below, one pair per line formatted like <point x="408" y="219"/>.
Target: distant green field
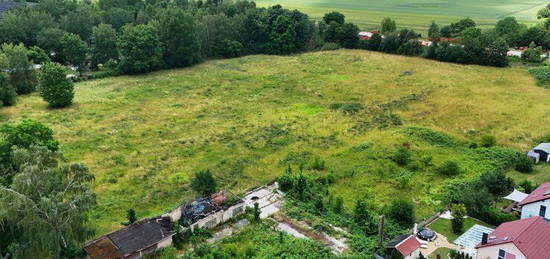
<point x="248" y="118"/>
<point x="416" y="14"/>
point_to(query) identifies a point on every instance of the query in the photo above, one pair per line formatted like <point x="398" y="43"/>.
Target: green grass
<point x="247" y="118"/>
<point x="443" y="226"/>
<point x="442" y="251"/>
<point x="540" y="174"/>
<point x="416" y="14"/>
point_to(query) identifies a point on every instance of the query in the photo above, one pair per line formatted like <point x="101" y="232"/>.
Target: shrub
<point x="449" y="168"/>
<point x="524" y="164"/>
<point x="316" y="164"/>
<point x="497" y="183"/>
<point x="494" y="216"/>
<point x="527" y="186"/>
<point x="402" y="156"/>
<point x="330" y="46"/>
<point x="430" y="136"/>
<point x="488" y="141"/>
<point x="204" y="183"/>
<point x="55" y="88"/>
<point x="541" y="74"/>
<point x="402" y="212"/>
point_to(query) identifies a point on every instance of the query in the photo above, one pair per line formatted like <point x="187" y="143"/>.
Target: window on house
<point x="542" y="211"/>
<point x="501" y="254"/>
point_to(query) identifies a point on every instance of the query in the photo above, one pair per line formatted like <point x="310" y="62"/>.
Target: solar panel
<point x="472" y="237"/>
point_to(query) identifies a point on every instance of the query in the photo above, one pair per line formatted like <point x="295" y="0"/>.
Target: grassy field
<point x="416" y="14"/>
<point x="248" y="118"/>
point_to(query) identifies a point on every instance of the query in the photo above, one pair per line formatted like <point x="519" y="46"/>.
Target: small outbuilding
<point x="406" y="245"/>
<point x="540" y="153"/>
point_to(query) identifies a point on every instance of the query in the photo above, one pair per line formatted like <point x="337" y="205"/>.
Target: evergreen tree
<point x="55" y="88"/>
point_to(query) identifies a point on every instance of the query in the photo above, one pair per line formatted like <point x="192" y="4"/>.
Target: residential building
<point x="520" y="239"/>
<point x="407" y="245"/>
<point x="141" y="238"/>
<point x="537" y="203"/>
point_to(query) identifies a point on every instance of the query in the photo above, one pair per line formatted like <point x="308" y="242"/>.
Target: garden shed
<point x="540" y="153"/>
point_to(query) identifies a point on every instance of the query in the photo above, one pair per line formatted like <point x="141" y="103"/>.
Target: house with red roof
<point x="407" y="245"/>
<point x="537" y="203"/>
<point x="520" y="239"/>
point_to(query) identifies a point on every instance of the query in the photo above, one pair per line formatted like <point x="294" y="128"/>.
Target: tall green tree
<point x="178" y="34"/>
<point x="347" y="35"/>
<point x="45" y="209"/>
<point x="387" y="25"/>
<point x="81" y="21"/>
<point x="7" y="92"/>
<point x="74" y="50"/>
<point x="433" y="31"/>
<point x="55" y="88"/>
<point x="140" y="49"/>
<point x="23" y="26"/>
<point x="22" y="77"/>
<point x="459" y="212"/>
<point x="103" y="44"/>
<point x="49" y="40"/>
<point x="282" y="36"/>
<point x="24" y="134"/>
<point x="334" y="17"/>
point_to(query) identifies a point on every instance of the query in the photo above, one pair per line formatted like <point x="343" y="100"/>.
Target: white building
<point x="520" y="239"/>
<point x="537" y="203"/>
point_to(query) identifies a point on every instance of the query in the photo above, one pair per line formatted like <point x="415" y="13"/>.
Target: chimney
<point x="484" y="238"/>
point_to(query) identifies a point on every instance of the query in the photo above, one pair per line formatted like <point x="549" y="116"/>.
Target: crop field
<point x="416" y="14"/>
<point x="248" y="118"/>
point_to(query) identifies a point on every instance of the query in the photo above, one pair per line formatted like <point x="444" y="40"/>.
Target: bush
<point x="449" y="168"/>
<point x="402" y="156"/>
<point x="527" y="186"/>
<point x="497" y="183"/>
<point x="330" y="46"/>
<point x="494" y="216"/>
<point x="541" y="74"/>
<point x="402" y="212"/>
<point x="524" y="164"/>
<point x="55" y="88"/>
<point x="488" y="141"/>
<point x="204" y="183"/>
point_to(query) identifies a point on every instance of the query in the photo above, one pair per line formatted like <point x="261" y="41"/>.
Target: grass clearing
<point x="248" y="118"/>
<point x="416" y="14"/>
<point x="444" y="227"/>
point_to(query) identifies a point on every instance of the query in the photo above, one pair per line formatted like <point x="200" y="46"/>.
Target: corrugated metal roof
<point x="531" y="236"/>
<point x="544" y="147"/>
<point x="539" y="194"/>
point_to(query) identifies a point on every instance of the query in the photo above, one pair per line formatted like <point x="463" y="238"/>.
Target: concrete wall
<point x="491" y="252"/>
<point x="165" y="242"/>
<point x="414" y="255"/>
<point x="532" y="209"/>
<point x="174" y="214"/>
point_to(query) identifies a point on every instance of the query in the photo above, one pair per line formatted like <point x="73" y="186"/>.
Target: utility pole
<point x="380" y="232"/>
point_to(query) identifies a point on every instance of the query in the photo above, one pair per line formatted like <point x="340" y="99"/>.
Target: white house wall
<point x="165" y="242"/>
<point x="491" y="252"/>
<point x="532" y="209"/>
<point x="414" y="255"/>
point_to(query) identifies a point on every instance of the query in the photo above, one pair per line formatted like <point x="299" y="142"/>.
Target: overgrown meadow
<point x="345" y="113"/>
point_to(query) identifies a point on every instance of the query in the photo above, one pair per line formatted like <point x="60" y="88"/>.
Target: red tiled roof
<point x="407" y="246"/>
<point x="531" y="236"/>
<point x="539" y="194"/>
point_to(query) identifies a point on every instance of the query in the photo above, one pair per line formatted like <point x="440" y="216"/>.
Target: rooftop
<point x="136" y="237"/>
<point x="7" y="5"/>
<point x="531" y="236"/>
<point x="539" y="194"/>
<point x="405" y="244"/>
